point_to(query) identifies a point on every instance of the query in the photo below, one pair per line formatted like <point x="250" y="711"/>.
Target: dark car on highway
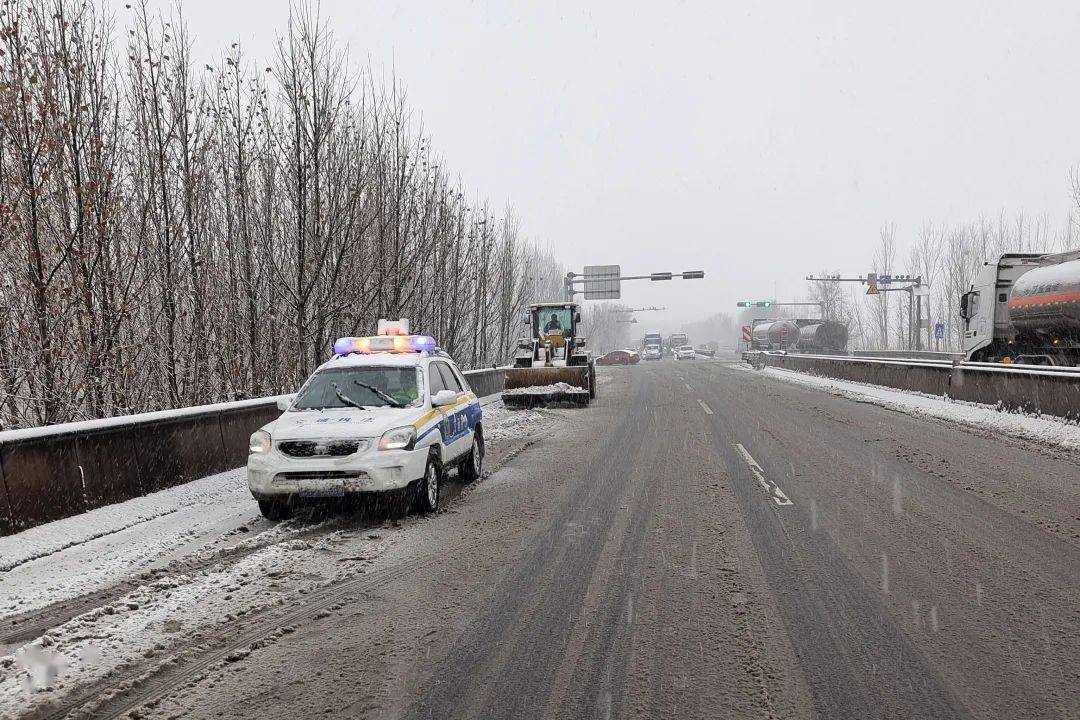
<point x="615" y="357"/>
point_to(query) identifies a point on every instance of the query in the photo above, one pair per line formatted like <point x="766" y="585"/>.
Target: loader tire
<point x="592" y="381"/>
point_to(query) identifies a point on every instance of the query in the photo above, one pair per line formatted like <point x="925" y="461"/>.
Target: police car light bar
<point x="384" y="343"/>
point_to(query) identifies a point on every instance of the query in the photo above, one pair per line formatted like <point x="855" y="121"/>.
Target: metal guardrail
<point x="909" y="354"/>
<point x="1023" y="388"/>
<point x="52" y="472"/>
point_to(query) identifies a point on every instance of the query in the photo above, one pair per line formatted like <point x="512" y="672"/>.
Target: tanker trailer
<point x="774" y="335"/>
<point x="823" y="336"/>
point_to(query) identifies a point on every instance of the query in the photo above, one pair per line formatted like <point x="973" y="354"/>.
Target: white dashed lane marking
<point x="772" y="489"/>
<point x="706" y="408"/>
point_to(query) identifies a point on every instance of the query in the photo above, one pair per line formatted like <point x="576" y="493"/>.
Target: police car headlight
<point x="259" y="442"/>
<point x="402" y="438"/>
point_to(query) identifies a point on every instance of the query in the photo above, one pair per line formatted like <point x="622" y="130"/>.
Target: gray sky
<point x="757" y="141"/>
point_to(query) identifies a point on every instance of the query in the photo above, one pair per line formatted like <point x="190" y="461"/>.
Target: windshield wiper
<point x="389" y="400"/>
<point x="345" y="399"/>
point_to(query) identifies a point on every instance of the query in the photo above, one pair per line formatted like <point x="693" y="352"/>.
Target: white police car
<point x="388" y="413"/>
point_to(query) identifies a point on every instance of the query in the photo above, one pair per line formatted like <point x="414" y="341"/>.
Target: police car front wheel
<point x="474" y="463"/>
<point x="430" y="487"/>
<point x="274" y="509"/>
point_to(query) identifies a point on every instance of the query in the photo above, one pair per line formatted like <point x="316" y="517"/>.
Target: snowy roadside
<point x="502" y="423"/>
<point x="87" y="552"/>
<point x="1060" y="433"/>
<point x="165" y="614"/>
<point x="165" y="607"/>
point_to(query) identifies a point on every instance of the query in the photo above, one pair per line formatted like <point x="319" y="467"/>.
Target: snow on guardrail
<point x="1025" y="388"/>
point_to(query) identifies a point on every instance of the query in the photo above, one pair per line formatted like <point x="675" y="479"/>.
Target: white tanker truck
<point x="1025" y="308"/>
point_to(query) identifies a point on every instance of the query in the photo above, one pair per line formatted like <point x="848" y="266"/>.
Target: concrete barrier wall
<point x="486" y="382"/>
<point x="53" y="472"/>
<point x="1043" y="392"/>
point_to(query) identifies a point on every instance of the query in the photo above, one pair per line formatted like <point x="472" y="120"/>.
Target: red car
<point x="615" y="357"/>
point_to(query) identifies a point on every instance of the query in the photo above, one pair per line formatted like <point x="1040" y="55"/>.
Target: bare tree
<point x="176" y="235"/>
<point x="884" y="259"/>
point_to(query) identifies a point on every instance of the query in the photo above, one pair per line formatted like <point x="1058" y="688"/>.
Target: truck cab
<point x="652" y="346"/>
<point x="990" y="333"/>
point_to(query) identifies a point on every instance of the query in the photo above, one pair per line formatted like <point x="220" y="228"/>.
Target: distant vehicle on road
<point x="685" y="352"/>
<point x="1024" y="308"/>
<point x="677" y="340"/>
<point x="615" y="357"/>
<point x="388" y="413"/>
<point x="635" y="357"/>
<point x="705" y="351"/>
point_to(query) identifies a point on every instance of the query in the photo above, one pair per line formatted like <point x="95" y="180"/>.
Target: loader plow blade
<point x="547" y="387"/>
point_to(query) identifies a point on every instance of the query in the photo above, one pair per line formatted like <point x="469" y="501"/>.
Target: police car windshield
<point x="363" y="387"/>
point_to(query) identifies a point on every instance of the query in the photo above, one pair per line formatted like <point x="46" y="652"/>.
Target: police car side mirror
<point x="284" y="403"/>
<point x="443" y="397"/>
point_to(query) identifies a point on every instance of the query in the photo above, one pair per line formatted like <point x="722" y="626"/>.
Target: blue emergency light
<point x="384" y="343"/>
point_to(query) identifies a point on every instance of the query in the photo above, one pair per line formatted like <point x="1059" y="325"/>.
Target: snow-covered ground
<point x="1044" y="430"/>
<point x="84" y="553"/>
<point x="148" y="620"/>
<point x="186" y="559"/>
<point x="502" y="423"/>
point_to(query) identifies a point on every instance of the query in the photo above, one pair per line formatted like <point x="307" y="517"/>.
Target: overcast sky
<point x="756" y="141"/>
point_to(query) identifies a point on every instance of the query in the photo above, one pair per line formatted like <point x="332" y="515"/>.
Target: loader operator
<point x="553" y="325"/>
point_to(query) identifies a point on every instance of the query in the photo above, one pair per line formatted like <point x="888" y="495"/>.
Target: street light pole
<point x="573" y="278"/>
<point x="911" y="287"/>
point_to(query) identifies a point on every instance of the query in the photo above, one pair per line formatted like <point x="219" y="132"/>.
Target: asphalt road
<point x="702" y="542"/>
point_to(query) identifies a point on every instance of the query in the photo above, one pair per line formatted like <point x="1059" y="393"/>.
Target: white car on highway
<point x="685" y="352"/>
<point x="387" y="414"/>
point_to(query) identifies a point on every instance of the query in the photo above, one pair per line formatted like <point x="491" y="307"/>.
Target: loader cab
<point x="554" y="335"/>
<point x="554" y="320"/>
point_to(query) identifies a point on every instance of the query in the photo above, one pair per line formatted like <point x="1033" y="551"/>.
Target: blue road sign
<point x="939" y="331"/>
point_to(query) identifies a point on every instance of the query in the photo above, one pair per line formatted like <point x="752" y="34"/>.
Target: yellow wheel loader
<point x="551" y="367"/>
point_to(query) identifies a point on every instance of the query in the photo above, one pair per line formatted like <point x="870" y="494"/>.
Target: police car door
<point x="455" y="424"/>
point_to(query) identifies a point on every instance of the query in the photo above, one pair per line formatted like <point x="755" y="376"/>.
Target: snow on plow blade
<point x="546" y="387"/>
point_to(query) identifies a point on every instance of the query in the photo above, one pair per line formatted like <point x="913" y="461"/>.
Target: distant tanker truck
<point x="774" y="335"/>
<point x="802" y="334"/>
<point x="1025" y="308"/>
<point x="822" y="336"/>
